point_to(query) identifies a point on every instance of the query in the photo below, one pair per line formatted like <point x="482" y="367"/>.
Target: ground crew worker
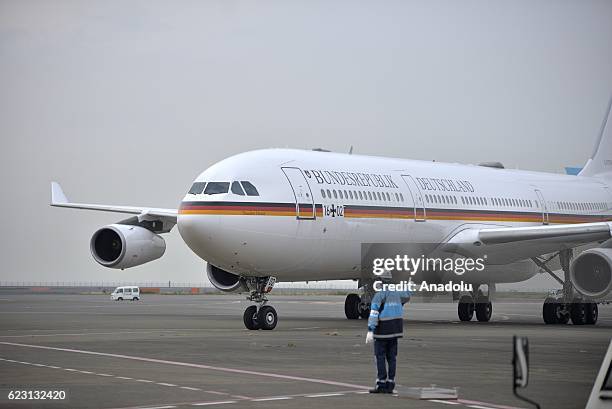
<point x="385" y="326"/>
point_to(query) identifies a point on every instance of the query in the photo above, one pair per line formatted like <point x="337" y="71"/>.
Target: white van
<point x="125" y="293"/>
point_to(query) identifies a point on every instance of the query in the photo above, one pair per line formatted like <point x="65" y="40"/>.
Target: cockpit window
<point x="197" y="188"/>
<point x="215" y="188"/>
<point x="237" y="189"/>
<point x="249" y="188"/>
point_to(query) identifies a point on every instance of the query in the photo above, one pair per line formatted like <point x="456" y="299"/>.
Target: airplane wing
<point x="504" y="245"/>
<point x="145" y="214"/>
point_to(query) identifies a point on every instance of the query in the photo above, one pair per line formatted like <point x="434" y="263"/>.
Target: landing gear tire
<point x="592" y="312"/>
<point x="364" y="310"/>
<point x="484" y="310"/>
<point x="267" y="318"/>
<point x="465" y="308"/>
<point x="578" y="313"/>
<point x="250" y="318"/>
<point x="351" y="306"/>
<point x="549" y="311"/>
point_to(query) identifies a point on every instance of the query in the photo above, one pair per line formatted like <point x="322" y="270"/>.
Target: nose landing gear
<point x="260" y="316"/>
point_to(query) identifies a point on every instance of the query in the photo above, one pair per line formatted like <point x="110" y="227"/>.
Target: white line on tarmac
<point x="223" y="402"/>
<point x="189" y="388"/>
<point x="161" y="407"/>
<point x="144" y="380"/>
<point x="275" y="398"/>
<point x="192" y="365"/>
<point x="448" y="402"/>
<point x="479" y="407"/>
<point x="165" y="384"/>
<point x="324" y="395"/>
<point x="127" y="378"/>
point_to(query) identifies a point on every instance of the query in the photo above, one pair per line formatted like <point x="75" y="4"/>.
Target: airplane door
<point x="417" y="198"/>
<point x="543" y="205"/>
<point x="304" y="202"/>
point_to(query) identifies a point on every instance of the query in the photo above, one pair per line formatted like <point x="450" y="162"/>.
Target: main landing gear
<point x="566" y="305"/>
<point x="260" y="316"/>
<point x="476" y="302"/>
<point x="356" y="306"/>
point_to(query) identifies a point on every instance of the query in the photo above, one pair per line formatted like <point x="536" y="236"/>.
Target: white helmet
<point x="386" y="275"/>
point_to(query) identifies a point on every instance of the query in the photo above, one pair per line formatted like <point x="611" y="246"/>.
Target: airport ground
<point x="169" y="351"/>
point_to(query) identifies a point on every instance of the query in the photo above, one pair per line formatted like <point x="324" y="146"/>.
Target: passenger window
<point x="328" y="194"/>
<point x="215" y="188"/>
<point x="401" y="197"/>
<point x="335" y="194"/>
<point x="369" y="195"/>
<point x="197" y="188"/>
<point x="340" y="193"/>
<point x="237" y="189"/>
<point x="249" y="188"/>
<point x="360" y="196"/>
<point x="323" y="193"/>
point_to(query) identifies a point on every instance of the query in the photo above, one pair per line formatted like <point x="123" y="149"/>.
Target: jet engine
<point x="225" y="281"/>
<point x="124" y="246"/>
<point x="591" y="273"/>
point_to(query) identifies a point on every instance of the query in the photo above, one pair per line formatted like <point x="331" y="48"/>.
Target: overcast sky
<point x="125" y="102"/>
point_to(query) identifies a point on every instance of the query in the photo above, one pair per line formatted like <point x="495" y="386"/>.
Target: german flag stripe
<point x="382" y="212"/>
<point x="249" y="208"/>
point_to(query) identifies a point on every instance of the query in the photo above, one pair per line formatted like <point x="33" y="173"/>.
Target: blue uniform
<point x="387" y="324"/>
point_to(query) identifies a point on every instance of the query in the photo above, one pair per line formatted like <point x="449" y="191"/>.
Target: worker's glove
<point x="369" y="337"/>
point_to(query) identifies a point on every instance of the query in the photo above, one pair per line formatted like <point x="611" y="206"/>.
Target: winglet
<point x="57" y="194"/>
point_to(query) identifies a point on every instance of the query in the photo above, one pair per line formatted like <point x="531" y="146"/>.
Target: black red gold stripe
<point x="249" y="208"/>
<point x="383" y="212"/>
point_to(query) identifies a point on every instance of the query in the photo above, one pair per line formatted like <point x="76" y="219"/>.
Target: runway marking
<point x="479" y="407"/>
<point x="217" y="393"/>
<point x="489" y="405"/>
<point x="268" y="399"/>
<point x="161" y="407"/>
<point x="192" y="365"/>
<point x="323" y="395"/>
<point x="80" y="334"/>
<point x="127" y="378"/>
<point x="223" y="402"/>
<point x="165" y="384"/>
<point x="448" y="402"/>
<point x="144" y="380"/>
<point x="189" y="388"/>
<point x="103" y="374"/>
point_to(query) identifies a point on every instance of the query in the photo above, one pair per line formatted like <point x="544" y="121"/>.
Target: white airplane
<point x="295" y="215"/>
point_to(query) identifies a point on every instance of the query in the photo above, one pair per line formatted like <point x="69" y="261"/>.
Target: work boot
<point x="389" y="386"/>
<point x="381" y="387"/>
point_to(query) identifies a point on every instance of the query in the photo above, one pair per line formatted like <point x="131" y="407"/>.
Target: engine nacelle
<point x="124" y="246"/>
<point x="225" y="281"/>
<point x="591" y="272"/>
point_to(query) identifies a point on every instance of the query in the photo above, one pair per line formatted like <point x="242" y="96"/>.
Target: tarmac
<point x="186" y="351"/>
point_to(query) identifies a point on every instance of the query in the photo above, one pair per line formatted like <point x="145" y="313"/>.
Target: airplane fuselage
<point x="313" y="210"/>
